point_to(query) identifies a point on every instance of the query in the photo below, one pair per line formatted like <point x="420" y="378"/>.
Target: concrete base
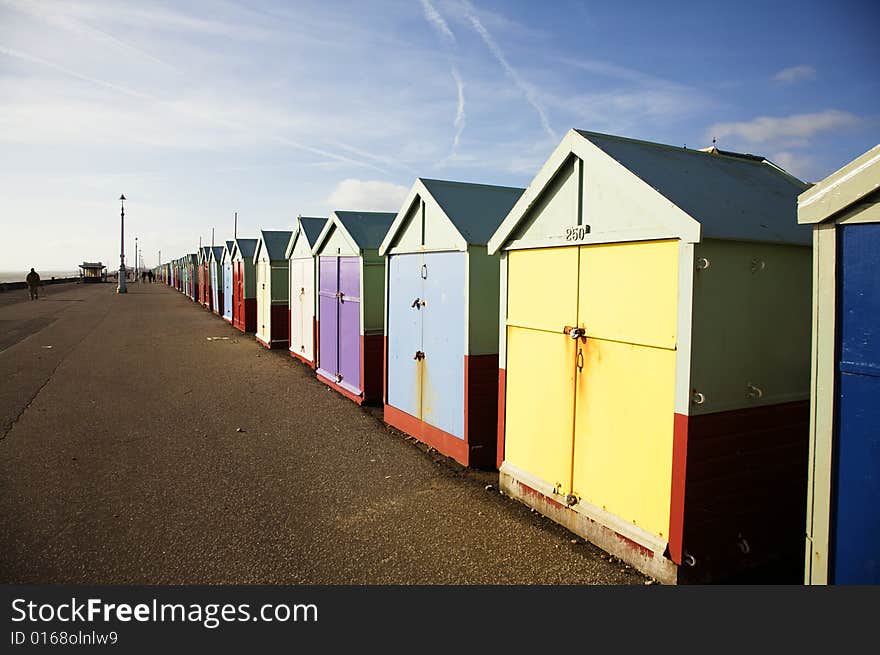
<point x="637" y="548"/>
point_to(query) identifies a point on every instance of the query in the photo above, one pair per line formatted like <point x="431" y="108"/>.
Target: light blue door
<point x="405" y="286"/>
<point x="227" y="290"/>
<point x="443" y="336"/>
<point x="215" y="291"/>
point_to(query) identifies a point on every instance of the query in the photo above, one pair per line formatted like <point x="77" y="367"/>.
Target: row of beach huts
<point x="674" y="353"/>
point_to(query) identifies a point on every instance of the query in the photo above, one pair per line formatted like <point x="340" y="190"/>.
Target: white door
<point x="302" y="307"/>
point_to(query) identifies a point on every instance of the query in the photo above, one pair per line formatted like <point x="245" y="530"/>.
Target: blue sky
<point x="195" y="110"/>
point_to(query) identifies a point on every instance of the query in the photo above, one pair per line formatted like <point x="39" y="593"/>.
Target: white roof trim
<point x="574" y="143"/>
<point x="333" y="221"/>
<point x="418" y="190"/>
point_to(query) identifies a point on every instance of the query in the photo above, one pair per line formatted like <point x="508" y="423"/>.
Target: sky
<point x="196" y="110"/>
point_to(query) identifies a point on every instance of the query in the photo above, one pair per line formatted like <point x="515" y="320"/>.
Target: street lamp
<point x="121" y="286"/>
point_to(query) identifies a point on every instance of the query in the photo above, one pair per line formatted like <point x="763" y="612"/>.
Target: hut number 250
<point x="577" y="232"/>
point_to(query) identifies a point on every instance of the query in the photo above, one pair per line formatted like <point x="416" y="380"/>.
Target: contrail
<point x="178" y="109"/>
<point x="459" y="113"/>
<point x="494" y="48"/>
<point x="437" y="21"/>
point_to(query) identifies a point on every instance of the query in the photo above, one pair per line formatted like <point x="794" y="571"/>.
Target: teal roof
<point x="366" y="228"/>
<point x="275" y="242"/>
<point x="246" y="247"/>
<point x="312" y="227"/>
<point x="476" y="210"/>
<point x="738" y="197"/>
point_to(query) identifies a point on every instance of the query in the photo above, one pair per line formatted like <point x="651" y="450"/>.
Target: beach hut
<point x="226" y="265"/>
<point x="303" y="269"/>
<point x="205" y="293"/>
<point x="654" y="356"/>
<point x="441" y="317"/>
<point x="843" y="515"/>
<point x="193" y="276"/>
<point x="351" y="286"/>
<point x="270" y="265"/>
<point x="216" y="279"/>
<point x="244" y="285"/>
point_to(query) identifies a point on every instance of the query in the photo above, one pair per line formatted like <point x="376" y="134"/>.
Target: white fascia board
<point x="332" y="222"/>
<point x="418" y="190"/>
<point x="557" y="158"/>
<point x="845" y="186"/>
<point x="291" y="244"/>
<point x="675" y="222"/>
<point x="258" y="248"/>
<point x="415" y="190"/>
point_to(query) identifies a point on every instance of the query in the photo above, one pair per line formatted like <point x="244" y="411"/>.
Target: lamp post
<point x="120" y="288"/>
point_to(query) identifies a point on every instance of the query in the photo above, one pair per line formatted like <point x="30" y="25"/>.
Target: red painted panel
<point x="502" y="392"/>
<point x="250" y="314"/>
<point x="679" y="470"/>
<point x="444" y="442"/>
<point x="280" y="317"/>
<point x="317" y="341"/>
<point x="384" y="369"/>
<point x="745" y="491"/>
<point x="302" y="359"/>
<point x="372" y="351"/>
<point x="481" y="409"/>
<point x="345" y="392"/>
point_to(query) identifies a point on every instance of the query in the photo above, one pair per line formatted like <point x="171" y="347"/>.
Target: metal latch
<point x="339" y="377"/>
<point x="419" y="356"/>
<point x="574" y="332"/>
<point x="418" y="302"/>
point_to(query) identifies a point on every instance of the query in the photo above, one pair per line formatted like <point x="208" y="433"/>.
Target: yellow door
<point x="540" y="368"/>
<point x="625" y="370"/>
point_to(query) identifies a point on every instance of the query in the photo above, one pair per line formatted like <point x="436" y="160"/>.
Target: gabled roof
<point x="475" y="210"/>
<point x="310" y="228"/>
<point x="846" y="186"/>
<point x="246" y="247"/>
<point x="733" y="197"/>
<point x="715" y="194"/>
<point x="274" y="242"/>
<point x="365" y="230"/>
<point x="217" y="253"/>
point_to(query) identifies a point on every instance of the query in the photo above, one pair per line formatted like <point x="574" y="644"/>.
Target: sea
<point x="19" y="276"/>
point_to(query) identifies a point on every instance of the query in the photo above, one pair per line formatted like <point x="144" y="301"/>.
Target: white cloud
<point x="367" y="195"/>
<point x="433" y="16"/>
<point x="795" y="163"/>
<point x="787" y="131"/>
<point x="795" y="74"/>
<point x="527" y="89"/>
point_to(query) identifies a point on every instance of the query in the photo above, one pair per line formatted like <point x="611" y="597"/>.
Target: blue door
<point x="405" y="288"/>
<point x="443" y="336"/>
<point x="856" y="486"/>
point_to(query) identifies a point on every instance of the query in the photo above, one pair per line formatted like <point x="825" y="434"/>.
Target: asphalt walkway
<point x="138" y="448"/>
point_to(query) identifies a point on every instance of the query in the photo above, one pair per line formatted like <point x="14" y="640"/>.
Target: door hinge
<point x="419" y="356"/>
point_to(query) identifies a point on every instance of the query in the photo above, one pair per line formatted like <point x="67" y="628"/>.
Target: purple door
<point x="350" y="323"/>
<point x="328" y="317"/>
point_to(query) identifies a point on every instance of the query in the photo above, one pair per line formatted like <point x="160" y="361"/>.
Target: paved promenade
<point x="121" y="461"/>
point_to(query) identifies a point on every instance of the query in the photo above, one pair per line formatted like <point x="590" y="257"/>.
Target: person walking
<point x="33" y="281"/>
